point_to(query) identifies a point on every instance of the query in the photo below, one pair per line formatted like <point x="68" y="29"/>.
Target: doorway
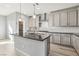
<point x="20" y="28"/>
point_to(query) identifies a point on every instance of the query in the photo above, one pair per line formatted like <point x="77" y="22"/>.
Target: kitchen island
<point x="32" y="44"/>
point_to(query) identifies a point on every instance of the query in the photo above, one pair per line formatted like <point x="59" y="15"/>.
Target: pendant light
<point x="34" y="15"/>
<point x="34" y="5"/>
<point x="20" y="19"/>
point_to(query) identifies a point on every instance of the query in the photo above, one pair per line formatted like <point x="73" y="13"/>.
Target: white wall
<point x="2" y="27"/>
<point x="25" y="21"/>
<point x="13" y="25"/>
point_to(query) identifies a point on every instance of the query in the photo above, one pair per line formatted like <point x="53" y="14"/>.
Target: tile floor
<point x="7" y="48"/>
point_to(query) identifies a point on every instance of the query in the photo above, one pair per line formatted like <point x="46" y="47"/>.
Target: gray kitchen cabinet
<point x="77" y="45"/>
<point x="65" y="39"/>
<point x="44" y="17"/>
<point x="50" y="20"/>
<point x="78" y="16"/>
<point x="75" y="42"/>
<point x="63" y="18"/>
<point x="47" y="16"/>
<point x="56" y="38"/>
<point x="72" y="17"/>
<point x="66" y="17"/>
<point x="56" y="18"/>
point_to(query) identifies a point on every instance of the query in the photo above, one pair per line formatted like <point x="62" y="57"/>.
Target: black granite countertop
<point x="36" y="36"/>
<point x="42" y="35"/>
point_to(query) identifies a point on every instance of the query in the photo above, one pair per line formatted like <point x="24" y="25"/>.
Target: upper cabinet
<point x="78" y="16"/>
<point x="56" y="19"/>
<point x="68" y="17"/>
<point x="65" y="18"/>
<point x="72" y="17"/>
<point x="50" y="20"/>
<point x="44" y="17"/>
<point x="53" y="19"/>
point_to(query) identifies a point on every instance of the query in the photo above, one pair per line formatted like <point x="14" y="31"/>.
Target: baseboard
<point x="20" y="53"/>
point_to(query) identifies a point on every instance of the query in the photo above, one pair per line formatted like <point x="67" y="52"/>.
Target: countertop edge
<point x="32" y="38"/>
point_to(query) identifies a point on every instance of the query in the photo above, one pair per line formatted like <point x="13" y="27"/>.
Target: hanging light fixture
<point x="34" y="15"/>
<point x="20" y="19"/>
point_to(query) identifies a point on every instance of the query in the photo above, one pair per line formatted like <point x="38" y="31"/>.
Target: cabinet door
<point x="77" y="44"/>
<point x="42" y="17"/>
<point x="56" y="19"/>
<point x="63" y="18"/>
<point x="78" y="16"/>
<point x="56" y="38"/>
<point x="72" y="17"/>
<point x="65" y="39"/>
<point x="50" y="20"/>
<point x="73" y="41"/>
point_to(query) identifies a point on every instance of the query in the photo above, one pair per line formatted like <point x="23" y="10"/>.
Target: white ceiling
<point x="27" y="8"/>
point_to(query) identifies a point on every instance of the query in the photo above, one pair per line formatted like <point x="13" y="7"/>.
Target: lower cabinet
<point x="65" y="39"/>
<point x="75" y="42"/>
<point x="77" y="45"/>
<point x="56" y="38"/>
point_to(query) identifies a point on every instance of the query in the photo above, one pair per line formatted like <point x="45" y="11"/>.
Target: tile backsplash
<point x="61" y="29"/>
